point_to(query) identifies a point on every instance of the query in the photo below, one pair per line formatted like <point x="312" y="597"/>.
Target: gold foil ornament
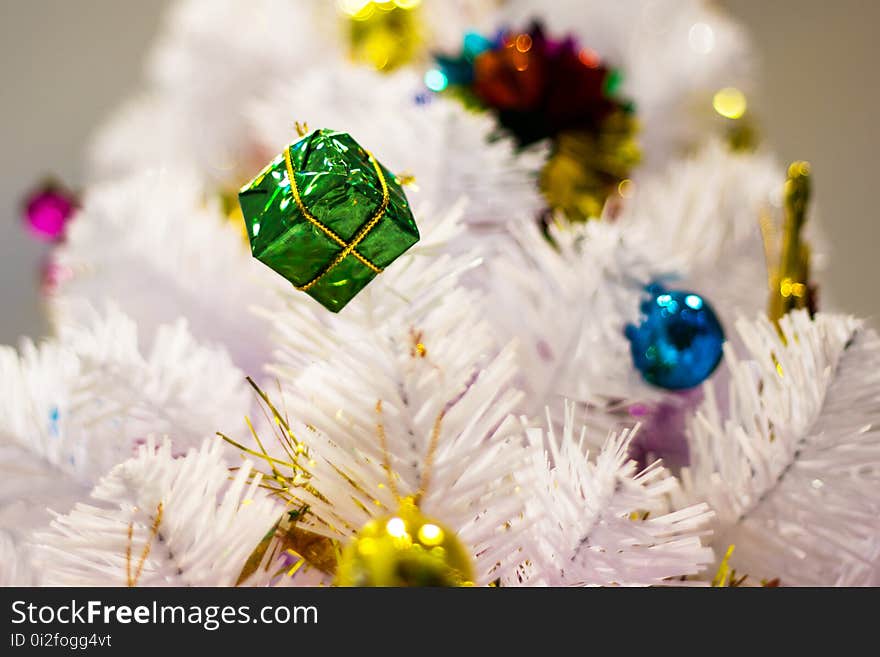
<point x="790" y="280"/>
<point x="406" y="548"/>
<point x="385" y="35"/>
<point x="586" y="169"/>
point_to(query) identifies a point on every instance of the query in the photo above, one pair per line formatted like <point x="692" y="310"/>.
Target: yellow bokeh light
<point x="353" y="7"/>
<point x="430" y="534"/>
<point x="385" y="34"/>
<point x="396" y="527"/>
<point x="791" y="288"/>
<point x="730" y="103"/>
<point x="363" y="9"/>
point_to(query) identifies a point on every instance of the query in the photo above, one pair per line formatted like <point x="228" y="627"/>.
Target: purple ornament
<point x="47" y="211"/>
<point x="663" y="428"/>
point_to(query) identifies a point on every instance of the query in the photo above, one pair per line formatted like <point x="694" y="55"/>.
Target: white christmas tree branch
<point x="84" y="401"/>
<point x="791" y="466"/>
<point x="601" y="521"/>
<point x="161" y="521"/>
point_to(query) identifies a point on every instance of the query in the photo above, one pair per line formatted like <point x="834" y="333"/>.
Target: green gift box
<point x="327" y="216"/>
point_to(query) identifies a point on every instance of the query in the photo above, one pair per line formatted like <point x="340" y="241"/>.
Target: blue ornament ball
<point x="679" y="341"/>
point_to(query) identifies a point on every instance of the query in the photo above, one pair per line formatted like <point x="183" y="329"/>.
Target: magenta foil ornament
<point x="47" y="210"/>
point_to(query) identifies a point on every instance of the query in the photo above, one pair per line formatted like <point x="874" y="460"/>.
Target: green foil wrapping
<point x="333" y="231"/>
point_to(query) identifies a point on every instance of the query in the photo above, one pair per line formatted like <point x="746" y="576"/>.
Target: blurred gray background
<point x="64" y="65"/>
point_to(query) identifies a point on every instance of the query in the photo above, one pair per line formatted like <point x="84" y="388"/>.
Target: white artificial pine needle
<point x="200" y="523"/>
<point x="788" y="455"/>
<point x="600" y="522"/>
<point x="73" y="407"/>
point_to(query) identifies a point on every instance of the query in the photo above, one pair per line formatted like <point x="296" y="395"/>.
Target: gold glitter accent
<point x="769" y="238"/>
<point x="132" y="580"/>
<point x="349" y="248"/>
<point x="386" y="455"/>
<point x="777" y="364"/>
<point x="722" y="577"/>
<point x="429" y="456"/>
<point x="295" y="567"/>
<point x="727" y="577"/>
<point x="418" y="348"/>
<point x="409" y="537"/>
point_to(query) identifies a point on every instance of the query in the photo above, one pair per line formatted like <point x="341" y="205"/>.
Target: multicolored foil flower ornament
<point x="541" y="88"/>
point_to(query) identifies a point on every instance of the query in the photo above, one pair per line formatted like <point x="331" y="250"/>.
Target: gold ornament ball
<point x="384" y="34"/>
<point x="405" y="549"/>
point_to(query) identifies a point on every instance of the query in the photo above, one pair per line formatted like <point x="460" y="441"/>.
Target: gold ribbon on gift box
<point x="348" y="248"/>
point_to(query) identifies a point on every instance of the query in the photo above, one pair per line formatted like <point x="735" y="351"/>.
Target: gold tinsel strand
<point x="586" y="169"/>
<point x="727" y="577"/>
<point x="790" y="280"/>
<point x="282" y="478"/>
